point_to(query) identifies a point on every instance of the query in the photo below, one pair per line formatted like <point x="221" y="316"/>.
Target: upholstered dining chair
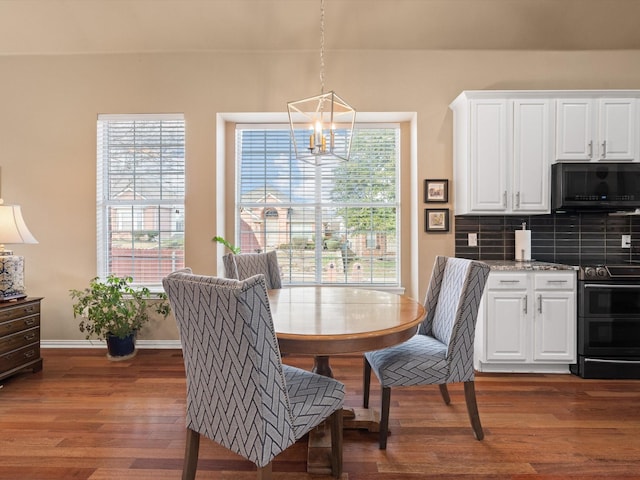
<point x="239" y="394"/>
<point x="442" y="350"/>
<point x="245" y="265"/>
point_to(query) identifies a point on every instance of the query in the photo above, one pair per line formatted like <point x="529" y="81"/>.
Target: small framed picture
<point x="436" y="219"/>
<point x="436" y="191"/>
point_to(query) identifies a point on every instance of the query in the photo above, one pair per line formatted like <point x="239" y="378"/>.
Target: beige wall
<point x="48" y="109"/>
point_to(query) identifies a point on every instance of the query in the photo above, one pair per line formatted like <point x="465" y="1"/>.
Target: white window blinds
<point x="140" y="196"/>
<point x="330" y="225"/>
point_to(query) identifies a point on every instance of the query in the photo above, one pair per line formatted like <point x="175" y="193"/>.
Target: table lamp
<point x="13" y="230"/>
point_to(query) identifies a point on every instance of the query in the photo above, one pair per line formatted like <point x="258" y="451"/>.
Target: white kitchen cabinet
<point x="527" y="322"/>
<point x="488" y="156"/>
<point x="596" y="129"/>
<point x="554" y="317"/>
<point x="502" y="154"/>
<point x="532" y="151"/>
<point x="506" y="305"/>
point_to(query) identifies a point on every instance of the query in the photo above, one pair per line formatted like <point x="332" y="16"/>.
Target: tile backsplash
<point x="572" y="239"/>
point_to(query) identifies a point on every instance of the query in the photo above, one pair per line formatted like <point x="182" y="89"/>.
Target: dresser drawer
<point x="18" y="340"/>
<point x="13" y="326"/>
<point x="19" y="311"/>
<point x="19" y="357"/>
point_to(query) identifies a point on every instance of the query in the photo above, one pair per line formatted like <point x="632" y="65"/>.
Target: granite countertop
<point x="512" y="265"/>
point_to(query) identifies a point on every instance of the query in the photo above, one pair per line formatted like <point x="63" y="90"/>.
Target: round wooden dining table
<point x="331" y="320"/>
<point x="328" y="320"/>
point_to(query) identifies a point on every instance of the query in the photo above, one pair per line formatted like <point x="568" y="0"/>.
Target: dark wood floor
<point x="84" y="417"/>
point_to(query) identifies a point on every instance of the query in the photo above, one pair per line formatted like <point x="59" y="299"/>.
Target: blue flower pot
<point x="121" y="348"/>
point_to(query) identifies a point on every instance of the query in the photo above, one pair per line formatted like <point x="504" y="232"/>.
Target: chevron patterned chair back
<point x="239" y="394"/>
<point x="442" y="350"/>
<point x="245" y="265"/>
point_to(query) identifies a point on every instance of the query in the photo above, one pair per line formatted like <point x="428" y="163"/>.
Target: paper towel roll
<point x="523" y="245"/>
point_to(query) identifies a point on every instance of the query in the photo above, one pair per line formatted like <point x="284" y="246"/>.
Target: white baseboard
<point x="141" y="344"/>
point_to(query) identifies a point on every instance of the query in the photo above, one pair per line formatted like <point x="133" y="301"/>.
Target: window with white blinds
<point x="333" y="224"/>
<point x="140" y="196"/>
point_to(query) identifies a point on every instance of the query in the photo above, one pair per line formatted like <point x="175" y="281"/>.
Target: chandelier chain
<point x="328" y="119"/>
<point x="322" y="46"/>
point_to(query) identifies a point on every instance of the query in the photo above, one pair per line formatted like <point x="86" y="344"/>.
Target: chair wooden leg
<point x="191" y="455"/>
<point x="472" y="408"/>
<point x="384" y="417"/>
<point x="264" y="473"/>
<point x="336" y="443"/>
<point x="367" y="383"/>
<point x="445" y="393"/>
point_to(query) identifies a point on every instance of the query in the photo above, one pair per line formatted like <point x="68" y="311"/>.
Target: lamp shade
<point x="12" y="230"/>
<point x="12" y="226"/>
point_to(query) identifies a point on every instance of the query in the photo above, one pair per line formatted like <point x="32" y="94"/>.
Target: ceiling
<point x="116" y="26"/>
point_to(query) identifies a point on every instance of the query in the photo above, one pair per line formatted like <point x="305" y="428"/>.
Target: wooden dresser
<point x="20" y="336"/>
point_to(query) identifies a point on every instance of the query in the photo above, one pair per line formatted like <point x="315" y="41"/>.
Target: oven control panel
<point x="610" y="272"/>
<point x="596" y="272"/>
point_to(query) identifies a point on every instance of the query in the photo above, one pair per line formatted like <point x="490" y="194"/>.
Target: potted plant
<point x="114" y="311"/>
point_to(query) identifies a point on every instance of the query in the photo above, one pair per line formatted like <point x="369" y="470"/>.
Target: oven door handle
<point x="610" y="285"/>
<point x="602" y="360"/>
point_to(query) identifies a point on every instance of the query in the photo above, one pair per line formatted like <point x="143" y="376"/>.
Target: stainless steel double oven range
<point x="608" y="322"/>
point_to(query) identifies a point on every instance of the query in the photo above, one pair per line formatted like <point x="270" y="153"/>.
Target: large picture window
<point x="333" y="224"/>
<point x="140" y="196"/>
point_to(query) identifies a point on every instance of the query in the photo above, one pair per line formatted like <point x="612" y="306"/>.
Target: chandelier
<point x="322" y="125"/>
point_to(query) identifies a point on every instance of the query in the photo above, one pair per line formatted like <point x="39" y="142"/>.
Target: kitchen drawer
<point x="18" y="340"/>
<point x="508" y="281"/>
<point x="555" y="281"/>
<point x="19" y="357"/>
<point x="13" y="326"/>
<point x="19" y="311"/>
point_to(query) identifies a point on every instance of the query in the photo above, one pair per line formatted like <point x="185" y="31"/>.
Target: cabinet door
<point x="488" y="155"/>
<point x="617" y="135"/>
<point x="531" y="155"/>
<point x="555" y="327"/>
<point x="574" y="129"/>
<point x="506" y="326"/>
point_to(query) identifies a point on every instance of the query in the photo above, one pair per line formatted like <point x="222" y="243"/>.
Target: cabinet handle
<point x="504" y="199"/>
<point x="591" y="149"/>
<point x="557" y="281"/>
<point x="509" y="281"/>
<point x="30" y="336"/>
<point x="604" y="149"/>
<point x="29" y="321"/>
<point x="539" y="303"/>
<point x="29" y="354"/>
<point x="518" y="199"/>
<point x="525" y="304"/>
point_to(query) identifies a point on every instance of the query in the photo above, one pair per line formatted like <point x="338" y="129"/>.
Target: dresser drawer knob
<point x="29" y="321"/>
<point x="30" y="336"/>
<point x="29" y="354"/>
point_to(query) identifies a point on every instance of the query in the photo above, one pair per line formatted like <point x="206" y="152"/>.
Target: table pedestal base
<point x="319" y="448"/>
<point x="360" y="418"/>
<point x="321" y="366"/>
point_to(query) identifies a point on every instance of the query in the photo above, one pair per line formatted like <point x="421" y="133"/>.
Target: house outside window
<point x="335" y="224"/>
<point x="140" y="196"/>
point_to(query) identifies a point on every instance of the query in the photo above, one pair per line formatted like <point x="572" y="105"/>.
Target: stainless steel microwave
<point x="595" y="186"/>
